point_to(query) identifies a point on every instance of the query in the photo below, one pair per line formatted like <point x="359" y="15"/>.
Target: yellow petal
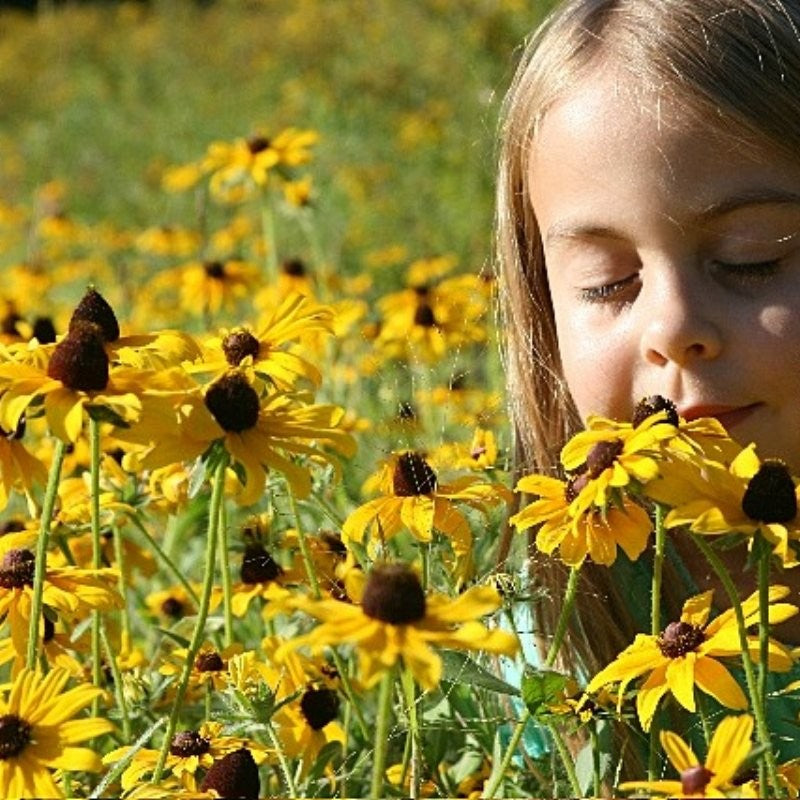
<point x="679" y="753"/>
<point x="729" y="747"/>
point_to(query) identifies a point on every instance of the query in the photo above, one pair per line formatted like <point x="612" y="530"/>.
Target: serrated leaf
<point x="460" y="668"/>
<point x="541" y="689"/>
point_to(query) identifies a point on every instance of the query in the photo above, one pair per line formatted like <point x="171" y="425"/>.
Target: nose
<point x="678" y="324"/>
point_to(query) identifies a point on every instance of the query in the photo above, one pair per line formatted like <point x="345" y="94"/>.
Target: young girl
<point x="648" y="234"/>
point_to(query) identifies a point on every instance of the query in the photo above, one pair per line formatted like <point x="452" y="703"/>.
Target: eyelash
<point x="607" y="292"/>
<point x="756" y="269"/>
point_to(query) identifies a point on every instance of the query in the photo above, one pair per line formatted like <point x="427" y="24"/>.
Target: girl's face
<point x="673" y="258"/>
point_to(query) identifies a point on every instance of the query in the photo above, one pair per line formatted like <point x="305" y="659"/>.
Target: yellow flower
<point x="210" y="668"/>
<point x="686" y="654"/>
<point x="728" y="748"/>
<point x="19" y="469"/>
<point x="38" y="733"/>
<point x="397" y="621"/>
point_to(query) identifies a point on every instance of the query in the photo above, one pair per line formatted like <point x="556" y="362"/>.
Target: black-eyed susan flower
<point x="210" y="667"/>
<point x="38" y="733"/>
<point x="397" y="621"/>
<point x="713" y="777"/>
<point x="687" y="653"/>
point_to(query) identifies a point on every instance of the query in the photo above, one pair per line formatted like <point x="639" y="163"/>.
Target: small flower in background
<point x="713" y="777"/>
<point x="210" y="668"/>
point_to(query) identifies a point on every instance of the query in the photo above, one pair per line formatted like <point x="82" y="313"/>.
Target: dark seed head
<point x="234" y="776"/>
<point x="333" y="543"/>
<point x="413" y="476"/>
<point x="680" y="638"/>
<point x="173" y="607"/>
<point x="458" y="382"/>
<point x="406" y="412"/>
<point x="8" y="324"/>
<point x="294" y="267"/>
<point x="233" y="402"/>
<point x="214" y="269"/>
<point x="258" y="566"/>
<point x="209" y="661"/>
<point x="770" y="494"/>
<point x="648" y="406"/>
<point x="15" y="735"/>
<point x="695" y="779"/>
<point x="393" y="594"/>
<point x="422" y="290"/>
<point x="13" y="525"/>
<point x="49" y="630"/>
<point x="574" y="485"/>
<point x="602" y="456"/>
<point x="94" y="309"/>
<point x="319" y="707"/>
<point x="238" y="345"/>
<point x="189" y="743"/>
<point x="17" y="568"/>
<point x="79" y="360"/>
<point x="257" y="144"/>
<point x="43" y="330"/>
<point x="424" y="316"/>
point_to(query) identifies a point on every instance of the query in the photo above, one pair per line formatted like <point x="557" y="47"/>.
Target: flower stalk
<point x="97" y="555"/>
<point x="382" y="734"/>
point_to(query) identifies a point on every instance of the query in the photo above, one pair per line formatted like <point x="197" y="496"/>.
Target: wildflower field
<point x="259" y="529"/>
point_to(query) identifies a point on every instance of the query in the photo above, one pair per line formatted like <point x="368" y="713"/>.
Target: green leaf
<point x="460" y="668"/>
<point x="541" y="689"/>
<point x="182" y="642"/>
<point x="329" y="751"/>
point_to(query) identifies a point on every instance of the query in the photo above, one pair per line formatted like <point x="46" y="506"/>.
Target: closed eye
<point x="607" y="292"/>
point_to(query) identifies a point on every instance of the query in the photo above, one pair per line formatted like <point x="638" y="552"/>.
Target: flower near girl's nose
<point x="770" y="495"/>
<point x="394" y="594"/>
<point x="602" y="457"/>
<point x="648" y="406"/>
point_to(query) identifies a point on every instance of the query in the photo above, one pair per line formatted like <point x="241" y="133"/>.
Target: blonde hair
<point x="734" y="65"/>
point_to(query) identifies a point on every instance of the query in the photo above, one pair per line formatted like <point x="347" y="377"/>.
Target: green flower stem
<point x="268" y="233"/>
<point x="97" y="552"/>
<point x="752" y="687"/>
<point x="658" y="569"/>
<point x="122" y="566"/>
<point x="566" y="760"/>
<point x="415" y="723"/>
<point x="558" y="638"/>
<point x="595" y="745"/>
<point x="382" y="735"/>
<point x="225" y="568"/>
<point x="118" y="688"/>
<point x="168" y="562"/>
<point x="291" y="791"/>
<point x="763" y="630"/>
<point x="40" y="567"/>
<point x="218" y="486"/>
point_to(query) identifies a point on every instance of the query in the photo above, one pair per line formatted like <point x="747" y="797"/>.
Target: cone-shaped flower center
<point x="235" y="775"/>
<point x="49" y="630"/>
<point x="188" y="743"/>
<point x="394" y="594"/>
<point x="294" y="267"/>
<point x="43" y="330"/>
<point x="694" y="780"/>
<point x="209" y="661"/>
<point x="173" y="607"/>
<point x="214" y="269"/>
<point x="17" y="568"/>
<point x="424" y="316"/>
<point x="258" y="566"/>
<point x="648" y="406"/>
<point x="770" y="494"/>
<point x="79" y="360"/>
<point x="94" y="308"/>
<point x="319" y="707"/>
<point x="602" y="456"/>
<point x="15" y="735"/>
<point x="574" y="486"/>
<point x="257" y="144"/>
<point x="413" y="476"/>
<point x="233" y="402"/>
<point x="680" y="638"/>
<point x="238" y="345"/>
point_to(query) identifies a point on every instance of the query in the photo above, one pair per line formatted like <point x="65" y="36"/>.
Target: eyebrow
<point x="759" y="197"/>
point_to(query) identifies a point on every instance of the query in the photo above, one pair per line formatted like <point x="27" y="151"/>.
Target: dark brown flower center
<point x="258" y="566"/>
<point x="214" y="269"/>
<point x="173" y="607"/>
<point x="94" y="308"/>
<point x="648" y="406"/>
<point x="602" y="456"/>
<point x="394" y="594"/>
<point x="424" y="316"/>
<point x="770" y="494"/>
<point x="13" y="525"/>
<point x="458" y="382"/>
<point x="680" y="638"/>
<point x="695" y="779"/>
<point x="189" y="743"/>
<point x="406" y="412"/>
<point x="8" y="325"/>
<point x="17" y="568"/>
<point x="43" y="330"/>
<point x="257" y="144"/>
<point x="294" y="267"/>
<point x="333" y="543"/>
<point x="319" y="707"/>
<point x="233" y="402"/>
<point x="238" y="345"/>
<point x="234" y="775"/>
<point x="413" y="476"/>
<point x="209" y="661"/>
<point x="15" y="735"/>
<point x="574" y="485"/>
<point x="49" y="630"/>
<point x="79" y="360"/>
<point x="422" y="290"/>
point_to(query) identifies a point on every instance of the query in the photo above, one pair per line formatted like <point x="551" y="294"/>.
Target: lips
<point x="728" y="416"/>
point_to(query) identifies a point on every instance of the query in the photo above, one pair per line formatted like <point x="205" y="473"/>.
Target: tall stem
<point x="218" y="486"/>
<point x="763" y="623"/>
<point x="268" y="233"/>
<point x="51" y="492"/>
<point x="566" y="760"/>
<point x="382" y="734"/>
<point x="97" y="553"/>
<point x="658" y="569"/>
<point x="225" y="568"/>
<point x="414" y="721"/>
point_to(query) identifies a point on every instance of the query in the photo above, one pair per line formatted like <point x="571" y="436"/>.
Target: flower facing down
<point x="396" y="620"/>
<point x="38" y="733"/>
<point x="686" y="654"/>
<point x="728" y="749"/>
